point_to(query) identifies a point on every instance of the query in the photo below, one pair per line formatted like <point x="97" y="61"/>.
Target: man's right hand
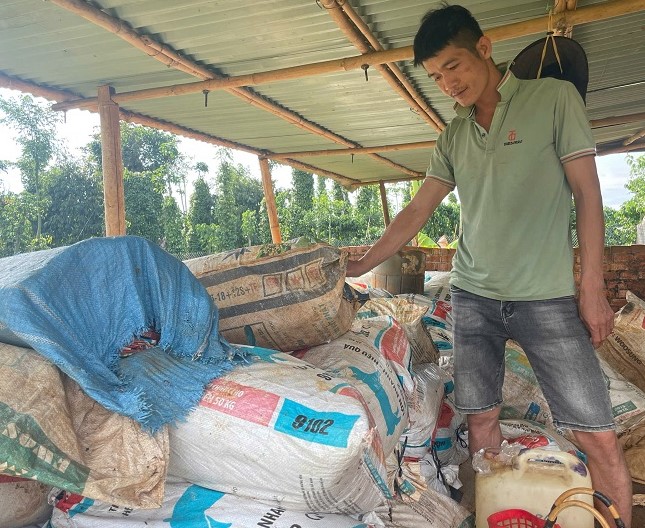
<point x="355" y="268"/>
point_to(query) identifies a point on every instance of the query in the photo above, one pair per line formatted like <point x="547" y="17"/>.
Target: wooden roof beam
<point x="357" y="32"/>
<point x="362" y="150"/>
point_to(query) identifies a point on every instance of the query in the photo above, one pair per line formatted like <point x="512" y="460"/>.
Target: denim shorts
<point x="556" y="343"/>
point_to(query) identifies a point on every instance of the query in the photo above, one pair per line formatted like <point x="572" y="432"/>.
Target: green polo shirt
<point x="515" y="200"/>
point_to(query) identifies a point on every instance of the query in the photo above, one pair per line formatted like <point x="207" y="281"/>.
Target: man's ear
<point x="484" y="47"/>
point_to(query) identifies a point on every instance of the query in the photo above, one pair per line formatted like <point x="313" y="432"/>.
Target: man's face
<point x="459" y="72"/>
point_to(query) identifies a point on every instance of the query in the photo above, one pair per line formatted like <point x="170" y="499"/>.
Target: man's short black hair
<point x="450" y="24"/>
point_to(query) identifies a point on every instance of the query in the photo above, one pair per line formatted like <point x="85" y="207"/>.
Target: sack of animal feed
<point x="280" y="296"/>
<point x="624" y="348"/>
<point x="287" y="433"/>
<point x="55" y="434"/>
<point x="424" y="407"/>
<point x="409" y="315"/>
<point x="23" y="502"/>
<point x="436" y="285"/>
<point x="188" y="505"/>
<point x="374" y="357"/>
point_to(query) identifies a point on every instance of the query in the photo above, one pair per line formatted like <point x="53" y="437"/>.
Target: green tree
<point x="143" y="206"/>
<point x="173" y="239"/>
<point x="16" y="232"/>
<point x="620" y="224"/>
<point x="236" y="191"/>
<point x="200" y="212"/>
<point x="147" y="151"/>
<point x="369" y="214"/>
<point x="35" y="125"/>
<point x="75" y="199"/>
<point x="444" y="221"/>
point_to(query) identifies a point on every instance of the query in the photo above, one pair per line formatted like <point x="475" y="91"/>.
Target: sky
<point x="79" y="125"/>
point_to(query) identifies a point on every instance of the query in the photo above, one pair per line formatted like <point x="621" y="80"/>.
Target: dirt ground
<point x="467" y="477"/>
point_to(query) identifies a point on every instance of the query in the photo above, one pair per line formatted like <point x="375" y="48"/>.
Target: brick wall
<point x="624" y="268"/>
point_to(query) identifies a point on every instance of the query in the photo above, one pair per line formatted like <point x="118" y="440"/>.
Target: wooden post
<point x="272" y="211"/>
<point x="113" y="195"/>
<point x="386" y="211"/>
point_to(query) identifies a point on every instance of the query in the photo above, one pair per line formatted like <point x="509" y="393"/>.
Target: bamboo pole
<point x="362" y="150"/>
<point x="386" y="211"/>
<point x="631" y="139"/>
<point x="559" y="7"/>
<point x="114" y="198"/>
<point x="365" y="30"/>
<point x="617" y="120"/>
<point x="581" y="15"/>
<point x="269" y="196"/>
<point x="356" y="32"/>
<point x="621" y="149"/>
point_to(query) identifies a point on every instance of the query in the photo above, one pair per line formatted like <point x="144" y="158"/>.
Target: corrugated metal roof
<point x="47" y="44"/>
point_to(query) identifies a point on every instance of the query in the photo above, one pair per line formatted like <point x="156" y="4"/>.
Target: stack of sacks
<point x="186" y="505"/>
<point x="287" y="433"/>
<point x="279" y="296"/>
<point x="430" y="451"/>
<point x="624" y="351"/>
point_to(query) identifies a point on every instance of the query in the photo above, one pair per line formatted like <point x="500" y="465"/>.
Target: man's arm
<point x="401" y="230"/>
<point x="594" y="308"/>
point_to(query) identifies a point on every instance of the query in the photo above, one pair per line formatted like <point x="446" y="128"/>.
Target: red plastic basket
<point x="515" y="519"/>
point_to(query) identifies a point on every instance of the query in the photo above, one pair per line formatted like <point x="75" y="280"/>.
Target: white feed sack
<point x="285" y="432"/>
<point x="23" y="502"/>
<point x="187" y="505"/>
<point x="52" y="432"/>
<point x="409" y="315"/>
<point x="424" y="408"/>
<point x="374" y="356"/>
<point x="280" y="296"/>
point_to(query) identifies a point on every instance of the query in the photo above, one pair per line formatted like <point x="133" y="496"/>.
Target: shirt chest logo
<point x="512" y="138"/>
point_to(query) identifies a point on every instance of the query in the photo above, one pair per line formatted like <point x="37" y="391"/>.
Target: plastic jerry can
<point x="533" y="482"/>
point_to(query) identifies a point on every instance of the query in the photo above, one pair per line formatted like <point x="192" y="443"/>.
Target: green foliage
<point x="444" y="221"/>
<point x="172" y="219"/>
<point x="75" y="199"/>
<point x="620" y="224"/>
<point x="143" y="206"/>
<point x="36" y="128"/>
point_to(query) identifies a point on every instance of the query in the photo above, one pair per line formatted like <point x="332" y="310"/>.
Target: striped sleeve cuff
<point x="578" y="154"/>
<point x="443" y="181"/>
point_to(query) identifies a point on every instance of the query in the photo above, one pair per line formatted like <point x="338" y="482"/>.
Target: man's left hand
<point x="596" y="314"/>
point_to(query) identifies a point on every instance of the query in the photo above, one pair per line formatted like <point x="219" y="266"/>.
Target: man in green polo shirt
<point x="516" y="152"/>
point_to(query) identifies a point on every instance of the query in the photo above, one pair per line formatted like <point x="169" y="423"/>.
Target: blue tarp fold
<point x="80" y="305"/>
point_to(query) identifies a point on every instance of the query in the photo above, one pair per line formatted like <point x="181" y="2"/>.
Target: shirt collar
<point x="506" y="88"/>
